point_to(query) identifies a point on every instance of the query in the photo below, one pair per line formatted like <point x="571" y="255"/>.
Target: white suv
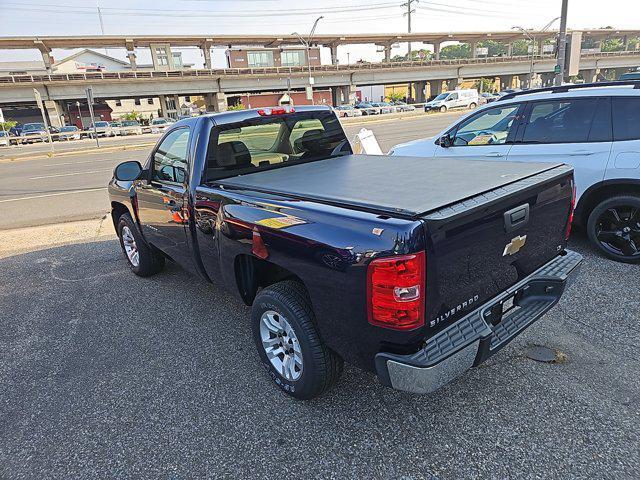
<point x="593" y="127"/>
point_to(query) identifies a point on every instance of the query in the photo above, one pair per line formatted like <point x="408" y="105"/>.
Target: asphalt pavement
<point x="106" y="375"/>
<point x="39" y="190"/>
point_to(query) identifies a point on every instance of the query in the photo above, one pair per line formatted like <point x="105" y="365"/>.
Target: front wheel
<point x="288" y="343"/>
<point x="142" y="259"/>
<point x="614" y="228"/>
<point x="443" y="109"/>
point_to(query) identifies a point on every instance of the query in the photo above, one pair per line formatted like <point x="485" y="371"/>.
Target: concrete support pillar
<point x="178" y="110"/>
<point x="387" y="51"/>
<point x="590" y="75"/>
<point x="509" y="49"/>
<point x="436" y="50"/>
<point x="625" y="41"/>
<point x="452" y="84"/>
<point x="131" y="53"/>
<point x="506" y="81"/>
<point x="473" y="46"/>
<point x="45" y="51"/>
<point x="419" y="88"/>
<point x="435" y="88"/>
<point x="541" y="47"/>
<point x="216" y="102"/>
<point x="334" y="53"/>
<point x="164" y="111"/>
<point x="54" y="112"/>
<point x="336" y="96"/>
<point x="524" y="82"/>
<point x="206" y="52"/>
<point x="349" y="94"/>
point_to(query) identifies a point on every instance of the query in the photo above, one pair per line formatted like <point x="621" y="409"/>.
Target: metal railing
<point x="220" y="72"/>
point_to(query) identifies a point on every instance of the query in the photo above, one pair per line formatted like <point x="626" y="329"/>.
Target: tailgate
<point x="481" y="246"/>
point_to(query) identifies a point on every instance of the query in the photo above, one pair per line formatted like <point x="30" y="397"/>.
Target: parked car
<point x="348" y="111"/>
<point x="6" y="139"/>
<point x="454" y="99"/>
<point x="69" y="132"/>
<point x="16" y="130"/>
<point x="367" y="108"/>
<point x="489" y="97"/>
<point x="371" y="259"/>
<point x="160" y="124"/>
<point x="102" y="129"/>
<point x="33" y="132"/>
<point x="402" y="106"/>
<point x="593" y="127"/>
<point x="383" y="107"/>
<point x="630" y="76"/>
<point x="130" y="127"/>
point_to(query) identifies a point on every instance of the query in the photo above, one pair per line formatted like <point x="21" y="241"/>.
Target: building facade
<point x="271" y="57"/>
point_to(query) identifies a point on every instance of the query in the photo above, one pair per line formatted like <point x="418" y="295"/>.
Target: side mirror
<point x="128" y="171"/>
<point x="445" y="141"/>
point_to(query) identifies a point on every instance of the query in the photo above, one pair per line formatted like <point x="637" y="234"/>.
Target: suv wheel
<point x="290" y="348"/>
<point x="142" y="259"/>
<point x="614" y="228"/>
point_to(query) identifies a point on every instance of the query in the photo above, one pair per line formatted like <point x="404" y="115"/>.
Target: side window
<point x="490" y="127"/>
<point x="170" y="159"/>
<point x="626" y="118"/>
<point x="601" y="126"/>
<point x="560" y="121"/>
<point x="453" y="96"/>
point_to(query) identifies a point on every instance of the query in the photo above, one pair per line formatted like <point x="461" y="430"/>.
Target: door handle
<point x="579" y="153"/>
<point x="494" y="155"/>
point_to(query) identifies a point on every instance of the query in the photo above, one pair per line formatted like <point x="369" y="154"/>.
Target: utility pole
<point x="409" y="4"/>
<point x="307" y="44"/>
<point x="562" y="43"/>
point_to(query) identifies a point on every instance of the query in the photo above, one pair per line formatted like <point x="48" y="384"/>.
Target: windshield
<point x="159" y="121"/>
<point x="130" y="123"/>
<point x="274" y="141"/>
<point x="442" y="96"/>
<point x="68" y="129"/>
<point x="33" y="126"/>
<point x="102" y="124"/>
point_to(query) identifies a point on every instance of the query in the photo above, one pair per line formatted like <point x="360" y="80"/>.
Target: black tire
<point x="149" y="261"/>
<point x="602" y="221"/>
<point x="472" y="105"/>
<point x="443" y="109"/>
<point x="321" y="367"/>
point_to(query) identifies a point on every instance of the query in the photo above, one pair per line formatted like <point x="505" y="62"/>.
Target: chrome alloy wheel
<point x="130" y="247"/>
<point x="281" y="345"/>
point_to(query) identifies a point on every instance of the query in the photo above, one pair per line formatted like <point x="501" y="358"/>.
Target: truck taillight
<point x="573" y="207"/>
<point x="265" y="112"/>
<point x="396" y="291"/>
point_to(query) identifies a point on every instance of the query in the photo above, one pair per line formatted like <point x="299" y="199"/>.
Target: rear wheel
<point x="443" y="109"/>
<point x="472" y="105"/>
<point x="614" y="228"/>
<point x="142" y="259"/>
<point x="286" y="337"/>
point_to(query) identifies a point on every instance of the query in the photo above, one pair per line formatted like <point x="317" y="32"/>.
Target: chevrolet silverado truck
<point x="414" y="269"/>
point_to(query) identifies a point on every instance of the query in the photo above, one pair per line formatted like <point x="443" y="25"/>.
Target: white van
<point x="467" y="98"/>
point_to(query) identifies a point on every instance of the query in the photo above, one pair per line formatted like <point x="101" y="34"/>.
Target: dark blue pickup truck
<point x="415" y="269"/>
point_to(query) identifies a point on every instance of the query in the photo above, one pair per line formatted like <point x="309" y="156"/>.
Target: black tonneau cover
<point x="408" y="186"/>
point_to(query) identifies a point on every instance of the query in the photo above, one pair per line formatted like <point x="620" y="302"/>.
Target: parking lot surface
<point x="106" y="375"/>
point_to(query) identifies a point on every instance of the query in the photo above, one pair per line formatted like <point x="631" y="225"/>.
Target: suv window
<point x="170" y="159"/>
<point x="560" y="121"/>
<point x="626" y="118"/>
<point x="489" y="127"/>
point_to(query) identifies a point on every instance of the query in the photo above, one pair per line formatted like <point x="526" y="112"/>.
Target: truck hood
<point x="398" y="186"/>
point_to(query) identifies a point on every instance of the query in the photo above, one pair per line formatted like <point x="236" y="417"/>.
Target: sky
<point x="211" y="17"/>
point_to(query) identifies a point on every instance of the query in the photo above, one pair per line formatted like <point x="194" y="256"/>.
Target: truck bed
<point x="406" y="186"/>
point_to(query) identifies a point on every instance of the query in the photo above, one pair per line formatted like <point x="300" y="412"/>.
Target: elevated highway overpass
<point x="342" y="78"/>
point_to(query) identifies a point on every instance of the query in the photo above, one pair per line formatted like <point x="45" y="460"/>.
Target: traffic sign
<point x="556" y="69"/>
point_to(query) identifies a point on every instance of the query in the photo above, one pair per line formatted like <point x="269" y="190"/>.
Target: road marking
<point x="52" y="195"/>
<point x="70" y="174"/>
<point x="78" y="163"/>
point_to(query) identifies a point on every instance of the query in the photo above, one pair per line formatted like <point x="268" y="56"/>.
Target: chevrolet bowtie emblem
<point x="514" y="245"/>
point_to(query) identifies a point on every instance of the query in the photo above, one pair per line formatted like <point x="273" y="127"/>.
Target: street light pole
<point x="533" y="49"/>
<point x="307" y="44"/>
<point x="562" y="43"/>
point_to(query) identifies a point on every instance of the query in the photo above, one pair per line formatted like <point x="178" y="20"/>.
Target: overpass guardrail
<point x="220" y="72"/>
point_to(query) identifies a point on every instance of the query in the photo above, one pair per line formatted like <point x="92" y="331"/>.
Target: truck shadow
<point x="93" y="355"/>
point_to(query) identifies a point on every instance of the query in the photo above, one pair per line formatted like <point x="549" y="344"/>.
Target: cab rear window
<point x="273" y="141"/>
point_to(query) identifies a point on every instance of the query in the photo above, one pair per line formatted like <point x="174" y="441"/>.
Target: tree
<point x="132" y="115"/>
<point x="7" y="125"/>
<point x="494" y="48"/>
<point x="416" y="55"/>
<point x="452" y="52"/>
<point x="396" y="96"/>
